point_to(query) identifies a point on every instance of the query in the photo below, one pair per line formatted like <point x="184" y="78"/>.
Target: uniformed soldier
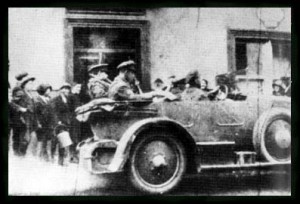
<point x="98" y="83"/>
<point x="121" y="87"/>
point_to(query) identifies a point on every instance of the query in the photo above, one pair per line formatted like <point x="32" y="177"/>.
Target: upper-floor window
<point x="259" y="59"/>
<point x="254" y="52"/>
<point x="251" y="54"/>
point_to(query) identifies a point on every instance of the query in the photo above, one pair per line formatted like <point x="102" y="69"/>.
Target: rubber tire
<point x="142" y="185"/>
<point x="260" y="128"/>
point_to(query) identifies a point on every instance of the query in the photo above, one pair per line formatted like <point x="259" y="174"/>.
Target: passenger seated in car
<point x="226" y="85"/>
<point x="98" y="83"/>
<point x="175" y="86"/>
<point x="219" y="93"/>
<point x="278" y="88"/>
<point x="204" y="85"/>
<point x="193" y="91"/>
<point x="158" y="84"/>
<point x="121" y="88"/>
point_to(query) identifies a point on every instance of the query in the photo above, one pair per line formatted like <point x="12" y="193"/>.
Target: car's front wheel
<point x="272" y="136"/>
<point x="157" y="163"/>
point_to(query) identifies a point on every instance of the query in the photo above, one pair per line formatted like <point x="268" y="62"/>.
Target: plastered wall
<point x="182" y="39"/>
<point x="36" y="44"/>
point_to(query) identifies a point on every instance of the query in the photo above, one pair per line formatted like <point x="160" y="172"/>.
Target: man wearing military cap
<point x="98" y="83"/>
<point x="121" y="87"/>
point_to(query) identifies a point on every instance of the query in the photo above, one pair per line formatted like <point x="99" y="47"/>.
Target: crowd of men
<point x="40" y="116"/>
<point x="35" y="118"/>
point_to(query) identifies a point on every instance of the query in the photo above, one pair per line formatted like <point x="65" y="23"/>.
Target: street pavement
<point x="30" y="176"/>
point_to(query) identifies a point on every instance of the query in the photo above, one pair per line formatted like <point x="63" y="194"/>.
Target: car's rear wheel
<point x="157" y="163"/>
<point x="272" y="136"/>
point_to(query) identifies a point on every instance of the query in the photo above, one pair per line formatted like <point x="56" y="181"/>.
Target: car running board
<point x="230" y="167"/>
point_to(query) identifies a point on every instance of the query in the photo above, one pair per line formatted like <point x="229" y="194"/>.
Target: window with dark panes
<point x="94" y="45"/>
<point x="248" y="54"/>
<point x="281" y="57"/>
<point x="259" y="58"/>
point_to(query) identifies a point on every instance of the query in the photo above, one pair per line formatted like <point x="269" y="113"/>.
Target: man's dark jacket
<point x="61" y="111"/>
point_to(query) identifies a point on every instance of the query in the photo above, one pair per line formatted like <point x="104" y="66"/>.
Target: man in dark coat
<point x="23" y="134"/>
<point x="45" y="121"/>
<point x="17" y="122"/>
<point x="62" y="115"/>
<point x="75" y="101"/>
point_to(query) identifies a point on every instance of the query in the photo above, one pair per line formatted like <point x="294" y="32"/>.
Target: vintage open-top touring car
<point x="157" y="143"/>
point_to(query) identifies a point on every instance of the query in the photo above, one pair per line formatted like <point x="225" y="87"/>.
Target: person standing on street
<point x="62" y="115"/>
<point x="76" y="133"/>
<point x="25" y="99"/>
<point x="17" y="122"/>
<point x="44" y="116"/>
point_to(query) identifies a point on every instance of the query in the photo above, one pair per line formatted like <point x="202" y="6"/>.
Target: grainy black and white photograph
<point x="180" y="101"/>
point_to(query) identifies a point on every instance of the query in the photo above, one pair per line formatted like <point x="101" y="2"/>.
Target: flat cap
<point x="26" y="79"/>
<point x="21" y="75"/>
<point x="65" y="85"/>
<point x="98" y="66"/>
<point x="127" y="64"/>
<point x="158" y="80"/>
<point x="42" y="88"/>
<point x="17" y="92"/>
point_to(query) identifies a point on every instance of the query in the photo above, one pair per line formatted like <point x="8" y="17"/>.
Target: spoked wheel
<point x="157" y="163"/>
<point x="272" y="136"/>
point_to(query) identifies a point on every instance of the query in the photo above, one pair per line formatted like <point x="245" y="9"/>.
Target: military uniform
<point x="98" y="87"/>
<point x="98" y="84"/>
<point x="120" y="89"/>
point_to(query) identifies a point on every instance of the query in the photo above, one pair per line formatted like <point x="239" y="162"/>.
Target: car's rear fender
<point x="137" y="129"/>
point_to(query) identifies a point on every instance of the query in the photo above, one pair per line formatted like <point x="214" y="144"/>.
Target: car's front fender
<point x="128" y="138"/>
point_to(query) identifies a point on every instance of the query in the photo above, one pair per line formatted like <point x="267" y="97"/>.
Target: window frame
<point x="143" y="25"/>
<point x="232" y="35"/>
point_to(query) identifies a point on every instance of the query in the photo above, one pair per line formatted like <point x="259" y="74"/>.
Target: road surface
<point x="29" y="176"/>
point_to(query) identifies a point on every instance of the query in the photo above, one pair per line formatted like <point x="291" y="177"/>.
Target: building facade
<point x="59" y="44"/>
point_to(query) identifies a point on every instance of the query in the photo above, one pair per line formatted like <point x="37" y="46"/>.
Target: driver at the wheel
<point x="122" y="86"/>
